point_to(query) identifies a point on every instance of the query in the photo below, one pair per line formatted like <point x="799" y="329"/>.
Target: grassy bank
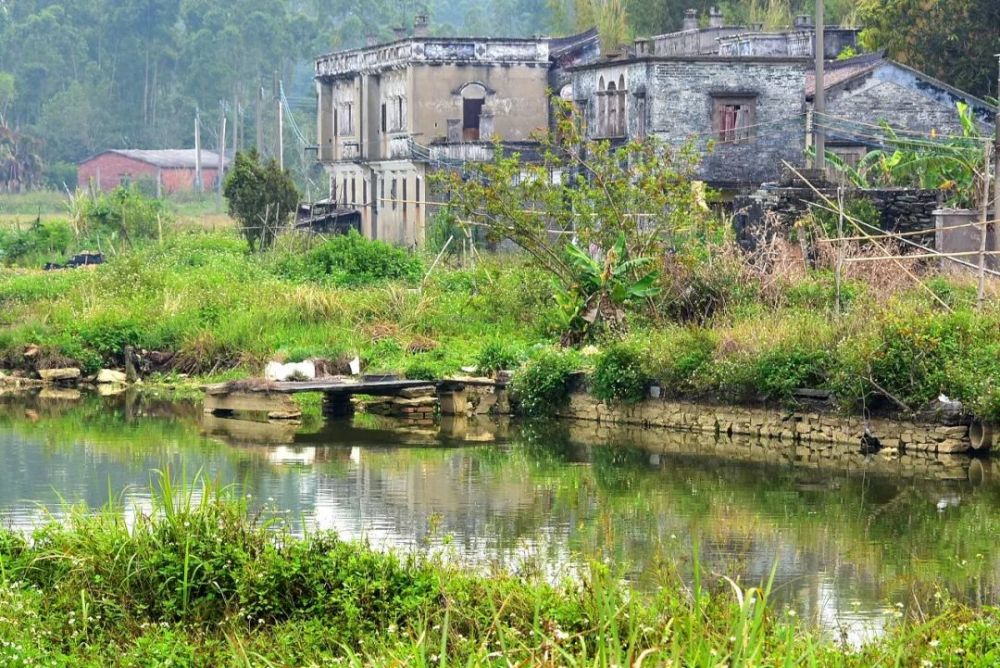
<point x="202" y="583"/>
<point x="717" y="330"/>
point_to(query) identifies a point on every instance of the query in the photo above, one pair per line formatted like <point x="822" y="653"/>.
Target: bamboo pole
<point x="840" y="246"/>
<point x="857" y="224"/>
<point x="983" y="230"/>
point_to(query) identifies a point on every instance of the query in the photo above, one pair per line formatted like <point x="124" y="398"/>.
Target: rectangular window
<point x="354" y="200"/>
<point x="404" y="197"/>
<point x="734" y="118"/>
<point x="383" y="118"/>
<point x="472" y="110"/>
<point x="393" y="193"/>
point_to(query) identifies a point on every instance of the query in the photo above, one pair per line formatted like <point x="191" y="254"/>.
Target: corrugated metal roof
<point x="168" y="158"/>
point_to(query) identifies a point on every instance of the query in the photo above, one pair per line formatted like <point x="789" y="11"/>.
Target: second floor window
<point x="733" y="118"/>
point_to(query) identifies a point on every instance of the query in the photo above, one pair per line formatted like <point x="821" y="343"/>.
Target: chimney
<point x="803" y="21"/>
<point x="715" y="19"/>
<point x="370" y="38"/>
<point x="420" y="25"/>
<point x="398" y="33"/>
<point x="690" y="20"/>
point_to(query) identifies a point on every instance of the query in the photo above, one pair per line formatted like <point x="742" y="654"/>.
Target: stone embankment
<point x="771" y="423"/>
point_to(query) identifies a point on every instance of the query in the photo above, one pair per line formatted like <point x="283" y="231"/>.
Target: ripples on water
<point x="851" y="536"/>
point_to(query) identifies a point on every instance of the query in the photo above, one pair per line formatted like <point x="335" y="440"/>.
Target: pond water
<point x="850" y="538"/>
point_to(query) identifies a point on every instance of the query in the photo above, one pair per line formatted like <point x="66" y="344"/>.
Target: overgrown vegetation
<point x="619" y="376"/>
<point x="199" y="582"/>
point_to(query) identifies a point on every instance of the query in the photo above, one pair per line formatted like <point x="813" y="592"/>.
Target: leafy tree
<point x="621" y="204"/>
<point x="261" y="198"/>
<point x="953" y="41"/>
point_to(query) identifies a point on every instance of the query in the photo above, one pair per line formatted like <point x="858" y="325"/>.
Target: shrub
<point x="423" y="368"/>
<point x="542" y="385"/>
<point x="261" y="197"/>
<point x="679" y="355"/>
<point x="41" y="241"/>
<point x="619" y="376"/>
<point x="779" y="372"/>
<point x="124" y="214"/>
<point x="497" y="356"/>
<point x="353" y="260"/>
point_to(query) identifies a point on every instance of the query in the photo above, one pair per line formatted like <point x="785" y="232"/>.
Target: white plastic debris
<point x="291" y="371"/>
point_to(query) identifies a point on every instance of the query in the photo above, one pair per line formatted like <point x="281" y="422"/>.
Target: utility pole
<point x="197" y="150"/>
<point x="259" y="124"/>
<point x="275" y="147"/>
<point x="236" y="125"/>
<point x="281" y="127"/>
<point x="221" y="170"/>
<point x="996" y="151"/>
<point x="819" y="97"/>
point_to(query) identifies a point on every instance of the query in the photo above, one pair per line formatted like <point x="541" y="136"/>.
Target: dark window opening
<point x="383" y="117"/>
<point x="404" y="197"/>
<point x="354" y="198"/>
<point x="472" y="111"/>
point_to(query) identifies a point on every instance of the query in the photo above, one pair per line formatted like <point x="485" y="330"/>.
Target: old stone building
<point x="868" y="90"/>
<point x="745" y="114"/>
<point x="744" y="97"/>
<point x="389" y="114"/>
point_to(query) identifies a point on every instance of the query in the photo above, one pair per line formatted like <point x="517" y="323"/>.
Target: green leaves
<point x="261" y="197"/>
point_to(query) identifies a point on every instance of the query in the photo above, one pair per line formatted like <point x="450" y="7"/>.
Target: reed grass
<point x="201" y="581"/>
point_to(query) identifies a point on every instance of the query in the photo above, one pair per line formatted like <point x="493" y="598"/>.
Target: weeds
<point x="202" y="582"/>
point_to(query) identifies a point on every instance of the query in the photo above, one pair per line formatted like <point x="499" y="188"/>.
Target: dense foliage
<point x="261" y="196"/>
<point x="202" y="583"/>
<point x="353" y="260"/>
<point x="619" y="376"/>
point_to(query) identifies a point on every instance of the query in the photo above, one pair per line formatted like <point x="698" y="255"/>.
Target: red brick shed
<point x="173" y="170"/>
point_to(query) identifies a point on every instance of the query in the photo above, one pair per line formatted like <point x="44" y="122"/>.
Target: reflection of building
<point x="387" y="112"/>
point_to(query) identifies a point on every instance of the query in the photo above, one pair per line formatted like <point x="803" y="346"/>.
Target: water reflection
<point x="850" y="536"/>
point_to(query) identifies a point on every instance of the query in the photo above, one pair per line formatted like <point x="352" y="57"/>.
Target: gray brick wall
<point x="679" y="104"/>
<point x="682" y="95"/>
<point x="894" y="94"/>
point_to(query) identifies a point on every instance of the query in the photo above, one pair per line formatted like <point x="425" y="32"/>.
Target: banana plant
<point x="602" y="287"/>
<point x="951" y="164"/>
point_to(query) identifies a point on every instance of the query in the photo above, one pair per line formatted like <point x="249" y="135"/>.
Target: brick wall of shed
<point x="107" y="172"/>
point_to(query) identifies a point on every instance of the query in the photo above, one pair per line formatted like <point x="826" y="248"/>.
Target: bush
<point x="40" y="242"/>
<point x="423" y="368"/>
<point x="123" y="214"/>
<point x="497" y="356"/>
<point x="352" y="260"/>
<point x="679" y="355"/>
<point x="542" y="385"/>
<point x="619" y="376"/>
<point x="261" y="197"/>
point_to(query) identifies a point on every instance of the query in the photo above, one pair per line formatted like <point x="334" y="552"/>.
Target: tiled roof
<point x="838" y="71"/>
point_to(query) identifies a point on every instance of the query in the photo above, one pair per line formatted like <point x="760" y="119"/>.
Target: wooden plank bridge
<point x="274" y="397"/>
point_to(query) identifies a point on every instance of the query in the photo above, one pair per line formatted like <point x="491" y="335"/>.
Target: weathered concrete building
<point x="388" y="113"/>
